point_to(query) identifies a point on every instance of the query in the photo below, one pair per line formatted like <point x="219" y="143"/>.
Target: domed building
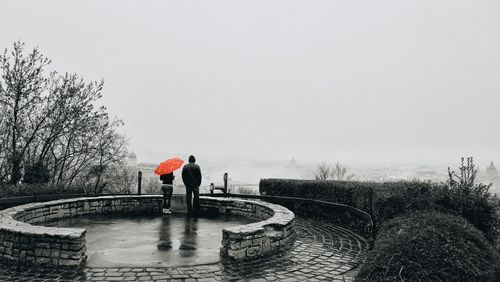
<point x="132" y="160"/>
<point x="491" y="173"/>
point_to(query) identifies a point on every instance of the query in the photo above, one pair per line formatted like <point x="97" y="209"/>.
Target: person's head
<point x="192" y="159"/>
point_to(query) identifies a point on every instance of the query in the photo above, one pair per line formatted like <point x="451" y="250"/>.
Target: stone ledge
<point x="276" y="232"/>
<point x="21" y="242"/>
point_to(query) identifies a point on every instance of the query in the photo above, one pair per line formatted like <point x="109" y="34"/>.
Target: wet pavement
<point x="152" y="241"/>
<point x="322" y="252"/>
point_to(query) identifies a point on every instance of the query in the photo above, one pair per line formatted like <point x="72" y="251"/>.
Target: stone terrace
<point x="322" y="252"/>
<point x="23" y="243"/>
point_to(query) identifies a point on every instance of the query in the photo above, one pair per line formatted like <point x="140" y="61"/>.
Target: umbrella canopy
<point x="168" y="166"/>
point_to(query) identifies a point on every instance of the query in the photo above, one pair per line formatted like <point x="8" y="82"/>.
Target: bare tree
<point x="3" y="145"/>
<point x="339" y="172"/>
<point x="52" y="123"/>
<point x="65" y="143"/>
<point x="153" y="186"/>
<point x="323" y="171"/>
<point x="110" y="148"/>
<point x="21" y="92"/>
<point x="121" y="180"/>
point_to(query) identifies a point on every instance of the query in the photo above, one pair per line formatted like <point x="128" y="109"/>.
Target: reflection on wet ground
<point x="169" y="240"/>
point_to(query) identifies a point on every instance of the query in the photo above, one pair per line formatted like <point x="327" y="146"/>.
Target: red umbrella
<point x="168" y="166"/>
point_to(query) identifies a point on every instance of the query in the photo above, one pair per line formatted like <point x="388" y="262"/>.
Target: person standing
<point x="191" y="176"/>
<point x="168" y="188"/>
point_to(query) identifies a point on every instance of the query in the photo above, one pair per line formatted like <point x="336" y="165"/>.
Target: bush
<point x="461" y="195"/>
<point x="381" y="200"/>
<point x="353" y="193"/>
<point x="430" y="246"/>
<point x="120" y="180"/>
<point x="480" y="210"/>
<point x="152" y="186"/>
<point x="244" y="190"/>
<point x="384" y="201"/>
<point x="24" y="189"/>
<point x="36" y="173"/>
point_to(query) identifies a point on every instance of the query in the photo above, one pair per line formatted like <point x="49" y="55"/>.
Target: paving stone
<point x="207" y="280"/>
<point x="162" y="277"/>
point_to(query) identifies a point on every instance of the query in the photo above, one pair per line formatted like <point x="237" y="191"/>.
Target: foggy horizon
<point x="356" y="82"/>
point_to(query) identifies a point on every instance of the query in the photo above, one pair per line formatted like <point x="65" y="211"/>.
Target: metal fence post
<point x="139" y="182"/>
<point x="225" y="183"/>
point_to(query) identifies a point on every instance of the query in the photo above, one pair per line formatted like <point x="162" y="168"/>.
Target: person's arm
<point x="184" y="175"/>
<point x="198" y="176"/>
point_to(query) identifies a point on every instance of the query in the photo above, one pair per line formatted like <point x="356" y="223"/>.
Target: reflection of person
<point x="191" y="176"/>
<point x="168" y="188"/>
<point x="188" y="241"/>
<point x="165" y="242"/>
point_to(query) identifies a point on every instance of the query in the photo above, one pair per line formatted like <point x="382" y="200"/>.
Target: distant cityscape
<point x="249" y="173"/>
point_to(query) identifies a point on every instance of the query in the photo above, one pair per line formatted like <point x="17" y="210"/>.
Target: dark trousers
<point x="193" y="202"/>
<point x="167" y="195"/>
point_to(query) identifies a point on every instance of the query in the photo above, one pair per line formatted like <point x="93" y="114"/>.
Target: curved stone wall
<point x="24" y="243"/>
<point x="275" y="231"/>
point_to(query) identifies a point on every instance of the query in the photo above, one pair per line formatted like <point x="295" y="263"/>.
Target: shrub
<point x="244" y="190"/>
<point x="430" y="246"/>
<point x="461" y="195"/>
<point x="121" y="180"/>
<point x="480" y="210"/>
<point x="36" y="173"/>
<point x="387" y="200"/>
<point x="152" y="186"/>
<point x="353" y="193"/>
<point x="25" y="189"/>
<point x="381" y="200"/>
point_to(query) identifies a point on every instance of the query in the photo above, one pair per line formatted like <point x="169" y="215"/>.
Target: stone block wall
<point x="275" y="231"/>
<point x="22" y="242"/>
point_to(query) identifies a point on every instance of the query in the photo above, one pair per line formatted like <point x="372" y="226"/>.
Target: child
<point x="167" y="187"/>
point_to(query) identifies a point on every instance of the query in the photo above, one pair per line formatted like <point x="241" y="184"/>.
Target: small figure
<point x="168" y="188"/>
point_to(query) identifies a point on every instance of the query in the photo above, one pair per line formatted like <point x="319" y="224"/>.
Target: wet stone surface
<point x="152" y="241"/>
<point x="51" y="246"/>
<point x="322" y="252"/>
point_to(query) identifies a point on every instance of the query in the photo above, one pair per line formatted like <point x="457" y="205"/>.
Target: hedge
<point x="25" y="189"/>
<point x="381" y="200"/>
<point x="430" y="246"/>
<point x="387" y="200"/>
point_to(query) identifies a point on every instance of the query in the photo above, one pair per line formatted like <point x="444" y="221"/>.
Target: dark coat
<point x="167" y="178"/>
<point x="191" y="175"/>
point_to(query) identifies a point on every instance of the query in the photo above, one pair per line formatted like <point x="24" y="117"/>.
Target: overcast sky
<point x="317" y="80"/>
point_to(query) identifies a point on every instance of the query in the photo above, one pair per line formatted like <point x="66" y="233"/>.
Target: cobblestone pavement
<point x="322" y="252"/>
